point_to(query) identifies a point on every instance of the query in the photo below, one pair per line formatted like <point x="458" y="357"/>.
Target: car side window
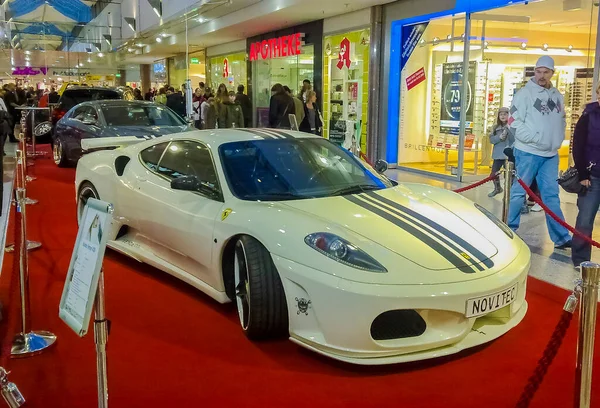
<point x="151" y="156"/>
<point x="188" y="158"/>
<point x="80" y="113"/>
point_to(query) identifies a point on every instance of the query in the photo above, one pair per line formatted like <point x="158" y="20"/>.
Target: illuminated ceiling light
<point x="448" y="37"/>
<point x="81" y="64"/>
<point x="139" y="45"/>
<point x="156" y="6"/>
<point x="89" y="60"/>
<point x="545" y="47"/>
<point x="130" y="22"/>
<point x="436" y="40"/>
<point x="27" y="52"/>
<point x="201" y="19"/>
<point x="523" y="45"/>
<point x="100" y="54"/>
<point x="164" y="35"/>
<point x="158" y="39"/>
<point x="156" y="11"/>
<point x="570" y="48"/>
<point x="129" y="49"/>
<point x="485" y="44"/>
<point x="27" y="64"/>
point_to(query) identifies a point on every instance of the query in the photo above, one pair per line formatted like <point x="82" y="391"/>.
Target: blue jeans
<point x="545" y="171"/>
<point x="588" y="204"/>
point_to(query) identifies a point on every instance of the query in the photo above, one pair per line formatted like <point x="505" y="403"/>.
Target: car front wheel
<point x="59" y="155"/>
<point x="86" y="191"/>
<point x="259" y="293"/>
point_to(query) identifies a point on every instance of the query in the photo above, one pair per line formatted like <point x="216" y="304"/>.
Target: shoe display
<point x="536" y="208"/>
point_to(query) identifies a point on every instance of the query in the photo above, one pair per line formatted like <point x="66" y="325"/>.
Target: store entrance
<point x="503" y="47"/>
<point x="290" y="71"/>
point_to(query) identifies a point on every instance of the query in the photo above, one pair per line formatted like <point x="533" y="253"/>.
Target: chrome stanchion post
<point x="27" y="343"/>
<point x="590" y="273"/>
<point x="508" y="179"/>
<point x="10" y="392"/>
<point x="100" y="338"/>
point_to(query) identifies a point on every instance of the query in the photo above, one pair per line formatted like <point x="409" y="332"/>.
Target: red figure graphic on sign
<point x="344" y="58"/>
<point x="225" y="68"/>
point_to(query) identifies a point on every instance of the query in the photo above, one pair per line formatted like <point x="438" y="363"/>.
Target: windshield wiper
<point x="279" y="194"/>
<point x="355" y="189"/>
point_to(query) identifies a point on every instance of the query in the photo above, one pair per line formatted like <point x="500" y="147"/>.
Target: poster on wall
<point x="337" y="131"/>
<point x="452" y="95"/>
<point x="411" y="35"/>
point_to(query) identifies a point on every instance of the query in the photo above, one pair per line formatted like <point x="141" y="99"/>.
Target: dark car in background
<point x="111" y="118"/>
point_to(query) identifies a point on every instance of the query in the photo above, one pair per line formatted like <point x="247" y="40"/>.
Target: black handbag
<point x="569" y="181"/>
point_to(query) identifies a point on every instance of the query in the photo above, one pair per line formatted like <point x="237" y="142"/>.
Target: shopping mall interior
<point x="272" y="203"/>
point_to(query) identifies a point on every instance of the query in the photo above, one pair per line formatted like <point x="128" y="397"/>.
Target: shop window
<point x="345" y="93"/>
<point x="290" y="71"/>
<point x="504" y="45"/>
<point x="230" y="70"/>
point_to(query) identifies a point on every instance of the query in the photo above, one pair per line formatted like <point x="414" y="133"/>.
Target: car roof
<point x="218" y="137"/>
<point x="89" y="88"/>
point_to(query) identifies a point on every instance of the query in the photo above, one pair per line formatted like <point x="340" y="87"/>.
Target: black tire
<point x="86" y="191"/>
<point x="59" y="154"/>
<point x="264" y="314"/>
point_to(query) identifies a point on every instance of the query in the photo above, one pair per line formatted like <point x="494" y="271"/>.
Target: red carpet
<point x="170" y="345"/>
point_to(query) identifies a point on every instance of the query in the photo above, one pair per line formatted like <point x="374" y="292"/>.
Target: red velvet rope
<point x="485" y="180"/>
<point x="544" y="363"/>
<point x="555" y="217"/>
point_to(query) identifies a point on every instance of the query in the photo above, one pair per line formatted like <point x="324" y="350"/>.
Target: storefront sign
<point x="415" y="79"/>
<point x="344" y="56"/>
<point x="71" y="72"/>
<point x="194" y="61"/>
<point x="22" y="71"/>
<point x="411" y="35"/>
<point x="225" y="68"/>
<point x="285" y="46"/>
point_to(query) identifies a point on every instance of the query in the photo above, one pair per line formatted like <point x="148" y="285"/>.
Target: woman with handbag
<point x="586" y="153"/>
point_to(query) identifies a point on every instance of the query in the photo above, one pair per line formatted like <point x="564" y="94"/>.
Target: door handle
<point x="142" y="179"/>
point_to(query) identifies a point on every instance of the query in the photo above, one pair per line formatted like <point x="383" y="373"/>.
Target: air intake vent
<point x="397" y="324"/>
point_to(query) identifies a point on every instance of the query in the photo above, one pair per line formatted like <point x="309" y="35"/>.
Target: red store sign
<point x="285" y="46"/>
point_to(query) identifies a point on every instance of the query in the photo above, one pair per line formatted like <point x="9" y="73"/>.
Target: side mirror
<point x="192" y="183"/>
<point x="381" y="166"/>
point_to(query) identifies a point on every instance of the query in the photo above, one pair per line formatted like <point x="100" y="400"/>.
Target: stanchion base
<point x="31" y="245"/>
<point x="32" y="343"/>
<point x="30" y="201"/>
<point x="30" y="178"/>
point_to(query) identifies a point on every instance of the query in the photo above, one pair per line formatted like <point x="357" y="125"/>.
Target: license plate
<point x="482" y="305"/>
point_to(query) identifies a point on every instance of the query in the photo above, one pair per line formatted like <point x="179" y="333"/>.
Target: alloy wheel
<point x="242" y="285"/>
<point x="57" y="151"/>
<point x="42" y="129"/>
<point x="85" y="194"/>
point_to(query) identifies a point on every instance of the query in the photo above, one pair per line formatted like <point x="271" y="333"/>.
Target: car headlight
<point x="343" y="252"/>
<point x="496" y="221"/>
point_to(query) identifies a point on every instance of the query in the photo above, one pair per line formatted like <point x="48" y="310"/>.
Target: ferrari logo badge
<point x="464" y="255"/>
<point x="226" y="214"/>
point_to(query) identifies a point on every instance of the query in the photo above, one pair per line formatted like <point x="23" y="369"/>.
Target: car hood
<point x="416" y="227"/>
<point x="141" y="131"/>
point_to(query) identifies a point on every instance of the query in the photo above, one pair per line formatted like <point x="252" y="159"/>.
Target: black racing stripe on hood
<point x="257" y="133"/>
<point x="431" y="231"/>
<point x="437" y="227"/>
<point x="421" y="236"/>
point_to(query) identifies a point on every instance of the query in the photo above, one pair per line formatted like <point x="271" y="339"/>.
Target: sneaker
<point x="563" y="246"/>
<point x="536" y="208"/>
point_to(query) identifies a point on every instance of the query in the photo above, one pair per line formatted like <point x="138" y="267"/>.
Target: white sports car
<point x="311" y="243"/>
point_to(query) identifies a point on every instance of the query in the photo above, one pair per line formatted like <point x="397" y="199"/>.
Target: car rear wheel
<point x="260" y="299"/>
<point x="86" y="191"/>
<point x="59" y="155"/>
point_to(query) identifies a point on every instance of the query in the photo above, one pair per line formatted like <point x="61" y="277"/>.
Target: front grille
<point x="397" y="324"/>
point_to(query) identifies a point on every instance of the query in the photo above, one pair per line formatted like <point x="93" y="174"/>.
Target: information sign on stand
<point x="79" y="292"/>
<point x="84" y="286"/>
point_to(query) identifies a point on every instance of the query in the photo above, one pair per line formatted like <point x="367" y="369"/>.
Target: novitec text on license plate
<point x="490" y="303"/>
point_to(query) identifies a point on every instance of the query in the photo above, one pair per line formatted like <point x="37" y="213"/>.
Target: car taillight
<point x="57" y="113"/>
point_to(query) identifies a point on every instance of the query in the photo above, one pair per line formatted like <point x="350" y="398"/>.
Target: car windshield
<point x="288" y="169"/>
<point x="74" y="97"/>
<point x="132" y="115"/>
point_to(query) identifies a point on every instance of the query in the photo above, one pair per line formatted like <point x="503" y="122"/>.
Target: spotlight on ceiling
<point x="570" y="48"/>
<point x="523" y="45"/>
<point x="158" y="39"/>
<point x="100" y="54"/>
<point x="545" y="47"/>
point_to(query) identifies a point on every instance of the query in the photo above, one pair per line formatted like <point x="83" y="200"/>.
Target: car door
<point x="181" y="223"/>
<point x="69" y="131"/>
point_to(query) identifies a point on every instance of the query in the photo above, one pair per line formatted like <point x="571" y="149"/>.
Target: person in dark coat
<point x="312" y="122"/>
<point x="280" y="107"/>
<point x="246" y="104"/>
<point x="176" y="102"/>
<point x="586" y="155"/>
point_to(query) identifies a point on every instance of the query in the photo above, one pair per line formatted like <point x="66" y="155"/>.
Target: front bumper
<point x="333" y="316"/>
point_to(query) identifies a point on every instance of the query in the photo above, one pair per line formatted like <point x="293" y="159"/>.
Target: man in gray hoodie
<point x="538" y="118"/>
